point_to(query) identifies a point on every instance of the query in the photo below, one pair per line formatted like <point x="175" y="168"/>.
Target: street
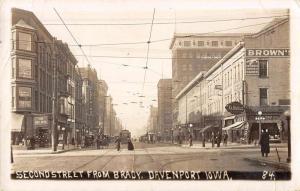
<point x="147" y="157"/>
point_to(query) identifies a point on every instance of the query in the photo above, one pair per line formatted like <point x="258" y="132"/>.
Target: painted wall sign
<point x="272" y="52"/>
<point x="252" y="67"/>
<point x="41" y="120"/>
<point x="235" y="108"/>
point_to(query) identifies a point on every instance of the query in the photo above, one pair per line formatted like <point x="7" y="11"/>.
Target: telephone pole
<point x="54" y="129"/>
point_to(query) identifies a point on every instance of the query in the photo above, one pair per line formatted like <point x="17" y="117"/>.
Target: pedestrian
<point x="212" y="139"/>
<point x="264" y="143"/>
<point x="203" y="140"/>
<point x="118" y="141"/>
<point x="218" y="139"/>
<point x="130" y="145"/>
<point x="191" y="139"/>
<point x="225" y="138"/>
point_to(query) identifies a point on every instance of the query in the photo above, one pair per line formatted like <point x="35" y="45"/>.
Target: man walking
<point x="264" y="143"/>
<point x="118" y="141"/>
<point x="213" y="139"/>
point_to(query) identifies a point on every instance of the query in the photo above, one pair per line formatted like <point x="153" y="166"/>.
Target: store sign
<point x="272" y="52"/>
<point x="252" y="67"/>
<point x="41" y="120"/>
<point x="235" y="108"/>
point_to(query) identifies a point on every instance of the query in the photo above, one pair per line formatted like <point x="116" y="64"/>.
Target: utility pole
<point x="54" y="130"/>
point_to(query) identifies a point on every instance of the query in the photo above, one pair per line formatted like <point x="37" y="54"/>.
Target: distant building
<point x="255" y="75"/>
<point x="152" y="121"/>
<point x="192" y="53"/>
<point x="90" y="93"/>
<point x="102" y="105"/>
<point x="164" y="96"/>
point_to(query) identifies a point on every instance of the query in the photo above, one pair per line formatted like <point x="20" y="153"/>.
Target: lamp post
<point x="259" y="118"/>
<point x="288" y="118"/>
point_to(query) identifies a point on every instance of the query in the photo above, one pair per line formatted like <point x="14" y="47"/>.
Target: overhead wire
<point x="73" y="37"/>
<point x="168" y="23"/>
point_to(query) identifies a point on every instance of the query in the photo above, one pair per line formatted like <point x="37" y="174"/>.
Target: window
<point x="200" y="43"/>
<point x="13" y="72"/>
<point x="284" y="102"/>
<point x="228" y="43"/>
<point x="13" y="90"/>
<point x="263" y="96"/>
<point x="263" y="68"/>
<point x="24" y="97"/>
<point x="24" y="68"/>
<point x="187" y="43"/>
<point x="214" y="43"/>
<point x="25" y="41"/>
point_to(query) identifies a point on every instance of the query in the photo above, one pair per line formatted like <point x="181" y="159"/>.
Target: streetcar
<point x="124" y="135"/>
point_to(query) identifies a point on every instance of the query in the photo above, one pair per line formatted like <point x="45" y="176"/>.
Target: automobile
<point x="275" y="138"/>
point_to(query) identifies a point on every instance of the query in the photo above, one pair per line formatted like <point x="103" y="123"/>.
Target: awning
<point x="205" y="128"/>
<point x="236" y="125"/>
<point x="16" y="122"/>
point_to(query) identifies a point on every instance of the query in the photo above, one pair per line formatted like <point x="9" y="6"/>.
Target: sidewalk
<point x="21" y="150"/>
<point x="272" y="159"/>
<point x="230" y="145"/>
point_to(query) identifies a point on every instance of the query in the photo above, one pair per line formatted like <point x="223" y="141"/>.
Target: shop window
<point x="24" y="95"/>
<point x="228" y="43"/>
<point x="263" y="96"/>
<point x="263" y="68"/>
<point x="24" y="41"/>
<point x="24" y="68"/>
<point x="214" y="43"/>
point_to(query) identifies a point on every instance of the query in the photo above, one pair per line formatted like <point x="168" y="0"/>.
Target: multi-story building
<point x="192" y="53"/>
<point x="152" y="124"/>
<point x="90" y="93"/>
<point x="41" y="67"/>
<point x="102" y="97"/>
<point x="107" y="119"/>
<point x="164" y="95"/>
<point x="246" y="91"/>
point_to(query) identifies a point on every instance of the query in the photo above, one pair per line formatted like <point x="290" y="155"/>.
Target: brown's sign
<point x="271" y="52"/>
<point x="235" y="108"/>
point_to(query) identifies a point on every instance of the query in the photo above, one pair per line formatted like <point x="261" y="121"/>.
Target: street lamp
<point x="259" y="118"/>
<point x="288" y="118"/>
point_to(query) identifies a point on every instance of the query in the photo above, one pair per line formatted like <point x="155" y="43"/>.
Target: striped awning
<point x="16" y="122"/>
<point x="236" y="125"/>
<point x="206" y="128"/>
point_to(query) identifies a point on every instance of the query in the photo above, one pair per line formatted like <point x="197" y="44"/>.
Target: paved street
<point x="150" y="157"/>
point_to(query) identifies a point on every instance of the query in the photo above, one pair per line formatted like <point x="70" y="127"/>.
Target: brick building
<point x="164" y="95"/>
<point x="192" y="53"/>
<point x="42" y="69"/>
<point x="254" y="74"/>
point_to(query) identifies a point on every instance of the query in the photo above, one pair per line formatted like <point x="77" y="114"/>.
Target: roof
<point x="187" y="35"/>
<point x="274" y="23"/>
<point x="190" y="85"/>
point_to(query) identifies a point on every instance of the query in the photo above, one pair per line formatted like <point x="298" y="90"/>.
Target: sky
<point x="125" y="75"/>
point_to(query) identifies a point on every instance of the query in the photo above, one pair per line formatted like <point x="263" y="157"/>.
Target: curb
<point x="281" y="165"/>
<point x="49" y="152"/>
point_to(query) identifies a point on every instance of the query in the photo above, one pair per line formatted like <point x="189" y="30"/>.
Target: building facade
<point x="255" y="76"/>
<point x="192" y="53"/>
<point x="41" y="72"/>
<point x="90" y="93"/>
<point x="102" y="110"/>
<point x="164" y="100"/>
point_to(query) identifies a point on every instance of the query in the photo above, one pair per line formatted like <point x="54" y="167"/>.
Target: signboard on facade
<point x="270" y="52"/>
<point x="40" y="120"/>
<point x="235" y="108"/>
<point x="252" y="67"/>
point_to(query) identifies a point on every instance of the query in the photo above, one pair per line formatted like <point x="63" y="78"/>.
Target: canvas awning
<point x="206" y="128"/>
<point x="236" y="125"/>
<point x="16" y="122"/>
